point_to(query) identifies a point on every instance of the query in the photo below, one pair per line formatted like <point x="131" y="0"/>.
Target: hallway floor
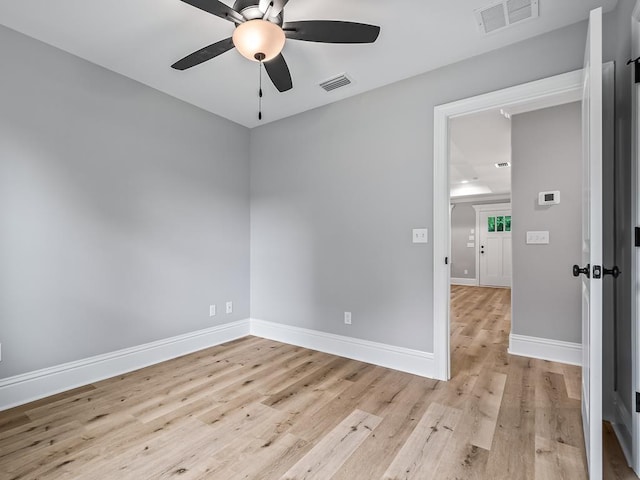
<point x="548" y="421"/>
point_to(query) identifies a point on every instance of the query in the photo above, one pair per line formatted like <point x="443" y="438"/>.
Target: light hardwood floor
<point x="257" y="409"/>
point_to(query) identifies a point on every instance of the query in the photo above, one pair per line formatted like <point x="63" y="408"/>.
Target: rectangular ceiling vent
<point x="503" y="165"/>
<point x="504" y="14"/>
<point x="336" y="82"/>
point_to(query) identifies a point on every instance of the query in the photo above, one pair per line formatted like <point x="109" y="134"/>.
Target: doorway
<point x="565" y="88"/>
<point x="494" y="243"/>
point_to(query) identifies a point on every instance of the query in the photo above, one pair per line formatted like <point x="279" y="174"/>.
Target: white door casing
<point x="592" y="246"/>
<point x="556" y="90"/>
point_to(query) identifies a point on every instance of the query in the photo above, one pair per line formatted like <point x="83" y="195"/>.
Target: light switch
<point x="420" y="235"/>
<point x="538" y="238"/>
<point x="471" y="245"/>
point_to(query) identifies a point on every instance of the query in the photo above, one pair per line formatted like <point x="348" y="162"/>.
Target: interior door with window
<point x="495" y="248"/>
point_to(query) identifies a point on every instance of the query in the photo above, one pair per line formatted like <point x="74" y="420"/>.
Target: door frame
<point x="556" y="90"/>
<point x="635" y="258"/>
<point x="487" y="207"/>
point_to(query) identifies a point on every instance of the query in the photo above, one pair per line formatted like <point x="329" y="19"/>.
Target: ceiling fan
<point x="261" y="32"/>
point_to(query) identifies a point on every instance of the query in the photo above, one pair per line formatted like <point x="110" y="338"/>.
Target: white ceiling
<point x="478" y="142"/>
<point x="142" y="38"/>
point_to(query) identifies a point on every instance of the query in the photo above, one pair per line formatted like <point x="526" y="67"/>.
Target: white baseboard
<point x="622" y="428"/>
<point x="464" y="281"/>
<point x="398" y="358"/>
<point x="546" y="349"/>
<point x="21" y="389"/>
<point x="25" y="388"/>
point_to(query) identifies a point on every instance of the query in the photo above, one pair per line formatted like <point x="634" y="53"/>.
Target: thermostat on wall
<point x="549" y="198"/>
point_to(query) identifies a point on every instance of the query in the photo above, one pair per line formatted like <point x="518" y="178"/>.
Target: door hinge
<point x="637" y="236"/>
<point x="637" y="402"/>
<point x="636" y="69"/>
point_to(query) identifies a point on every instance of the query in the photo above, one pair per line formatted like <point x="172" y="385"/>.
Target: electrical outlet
<point x="229" y="307"/>
<point x="420" y="235"/>
<point x="347" y="318"/>
<point x="466" y="272"/>
<point x="212" y="310"/>
<point x="0" y="352"/>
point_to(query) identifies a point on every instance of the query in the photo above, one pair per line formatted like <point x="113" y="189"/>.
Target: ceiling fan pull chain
<point x="260" y="93"/>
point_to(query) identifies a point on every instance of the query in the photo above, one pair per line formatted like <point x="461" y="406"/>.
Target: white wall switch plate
<point x="472" y="237"/>
<point x="212" y="310"/>
<point x="538" y="238"/>
<point x="471" y="245"/>
<point x="420" y="235"/>
<point x="466" y="272"/>
<point x="229" y="307"/>
<point x="347" y="318"/>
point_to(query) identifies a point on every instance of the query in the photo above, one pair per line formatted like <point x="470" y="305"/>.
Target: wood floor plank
<point x="326" y="458"/>
<point x="399" y="418"/>
<point x="557" y="460"/>
<point x="423" y="450"/>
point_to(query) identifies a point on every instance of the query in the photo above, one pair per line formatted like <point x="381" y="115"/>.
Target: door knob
<point x="614" y="272"/>
<point x="577" y="270"/>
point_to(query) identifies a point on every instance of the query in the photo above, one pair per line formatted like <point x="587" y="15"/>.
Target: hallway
<point x="539" y="425"/>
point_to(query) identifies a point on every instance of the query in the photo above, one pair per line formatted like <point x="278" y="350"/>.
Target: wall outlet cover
<point x="212" y="310"/>
<point x="420" y="235"/>
<point x="229" y="308"/>
<point x="347" y="318"/>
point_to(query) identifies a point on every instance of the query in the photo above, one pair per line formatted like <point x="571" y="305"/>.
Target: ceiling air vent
<point x="336" y="82"/>
<point x="503" y="165"/>
<point x="506" y="13"/>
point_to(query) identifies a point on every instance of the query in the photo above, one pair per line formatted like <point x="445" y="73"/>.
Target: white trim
<point x="27" y="387"/>
<point x="546" y="349"/>
<point x="492" y="207"/>
<point x="558" y="86"/>
<point x="21" y="389"/>
<point x="506" y="197"/>
<point x="621" y="428"/>
<point x="464" y="281"/>
<point x="398" y="358"/>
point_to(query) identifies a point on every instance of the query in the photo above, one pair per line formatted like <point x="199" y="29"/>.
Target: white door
<point x="495" y="248"/>
<point x="591" y="277"/>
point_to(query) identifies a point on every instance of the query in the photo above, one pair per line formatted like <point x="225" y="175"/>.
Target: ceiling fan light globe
<point x="257" y="37"/>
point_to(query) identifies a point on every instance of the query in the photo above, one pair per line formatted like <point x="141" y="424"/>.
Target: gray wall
<point x="463" y="220"/>
<point x="123" y="212"/>
<point x="546" y="148"/>
<point x="337" y="190"/>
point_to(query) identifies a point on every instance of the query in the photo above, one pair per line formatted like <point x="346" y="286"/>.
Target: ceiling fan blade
<point x="331" y="31"/>
<point x="204" y="54"/>
<point x="279" y="73"/>
<point x="217" y="8"/>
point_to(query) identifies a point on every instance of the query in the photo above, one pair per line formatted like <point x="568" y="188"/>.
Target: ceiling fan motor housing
<point x="249" y="9"/>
